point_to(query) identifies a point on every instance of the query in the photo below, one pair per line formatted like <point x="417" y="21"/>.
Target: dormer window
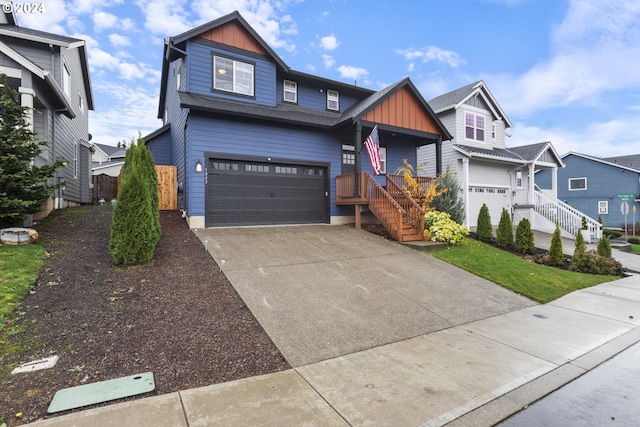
<point x="233" y="76"/>
<point x="290" y="91"/>
<point x="474" y="127"/>
<point x="333" y="100"/>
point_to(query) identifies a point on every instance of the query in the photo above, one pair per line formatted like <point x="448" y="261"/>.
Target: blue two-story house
<point x="256" y="142"/>
<point x="597" y="186"/>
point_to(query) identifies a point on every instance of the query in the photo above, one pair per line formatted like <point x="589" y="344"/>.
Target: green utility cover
<point x="103" y="391"/>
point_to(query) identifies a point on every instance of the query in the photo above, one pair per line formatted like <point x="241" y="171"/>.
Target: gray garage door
<point x="253" y="193"/>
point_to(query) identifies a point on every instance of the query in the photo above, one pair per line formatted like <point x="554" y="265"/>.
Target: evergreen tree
<point x="23" y="186"/>
<point x="135" y="228"/>
<point x="524" y="237"/>
<point x="579" y="239"/>
<point x="556" y="255"/>
<point x="604" y="247"/>
<point x="504" y="233"/>
<point x="449" y="200"/>
<point x="484" y="229"/>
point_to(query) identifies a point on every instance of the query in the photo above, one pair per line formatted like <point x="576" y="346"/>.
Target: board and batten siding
<point x="200" y="74"/>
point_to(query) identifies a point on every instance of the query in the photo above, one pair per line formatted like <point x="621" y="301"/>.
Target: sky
<point x="565" y="71"/>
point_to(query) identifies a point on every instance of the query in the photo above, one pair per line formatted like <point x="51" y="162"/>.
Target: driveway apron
<point x="325" y="291"/>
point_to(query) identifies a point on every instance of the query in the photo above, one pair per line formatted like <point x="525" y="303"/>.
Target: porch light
<point x="222" y="71"/>
<point x="198" y="166"/>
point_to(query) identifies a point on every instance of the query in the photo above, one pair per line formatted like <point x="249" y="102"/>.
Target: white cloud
<point x="165" y="17"/>
<point x="329" y="43"/>
<point x="433" y="53"/>
<point x="328" y="60"/>
<point x="138" y="104"/>
<point x="103" y="21"/>
<point x="55" y="13"/>
<point x="350" y="72"/>
<point x="119" y="41"/>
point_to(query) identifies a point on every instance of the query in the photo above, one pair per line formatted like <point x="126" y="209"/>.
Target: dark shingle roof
<point x="631" y="161"/>
<point x="450" y="99"/>
<point x="111" y="150"/>
<point x="26" y="33"/>
<point x="529" y="152"/>
<point x="282" y="112"/>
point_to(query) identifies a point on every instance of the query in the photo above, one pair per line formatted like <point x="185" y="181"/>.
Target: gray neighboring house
<point x="107" y="159"/>
<point x="490" y="173"/>
<point x="51" y="73"/>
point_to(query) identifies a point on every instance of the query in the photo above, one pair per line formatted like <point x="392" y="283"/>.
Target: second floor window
<point x="474" y="127"/>
<point x="66" y="81"/>
<point x="333" y="100"/>
<point x="232" y="76"/>
<point x="290" y="91"/>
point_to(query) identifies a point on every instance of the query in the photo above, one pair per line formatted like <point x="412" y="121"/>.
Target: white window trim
<point x="234" y="64"/>
<point x="292" y="89"/>
<point x="383" y="159"/>
<point x="333" y="96"/>
<point x="601" y="204"/>
<point x="66" y="80"/>
<point x="475" y="126"/>
<point x="576" y="179"/>
<point x="518" y="179"/>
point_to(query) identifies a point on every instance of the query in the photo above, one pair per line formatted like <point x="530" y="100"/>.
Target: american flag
<point x="373" y="148"/>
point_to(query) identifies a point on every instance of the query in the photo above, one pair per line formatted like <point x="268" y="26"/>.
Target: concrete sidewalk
<point x="473" y="371"/>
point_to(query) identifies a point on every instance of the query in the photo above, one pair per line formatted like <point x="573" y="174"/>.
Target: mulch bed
<point x="178" y="317"/>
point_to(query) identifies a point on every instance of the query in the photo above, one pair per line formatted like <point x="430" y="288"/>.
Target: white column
<point x="465" y="188"/>
<point x="532" y="183"/>
<point x="554" y="181"/>
<point x="26" y="100"/>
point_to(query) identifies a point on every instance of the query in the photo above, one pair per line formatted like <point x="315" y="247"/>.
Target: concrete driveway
<point x="325" y="291"/>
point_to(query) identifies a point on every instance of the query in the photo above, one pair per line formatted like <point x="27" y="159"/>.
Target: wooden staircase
<point x="396" y="211"/>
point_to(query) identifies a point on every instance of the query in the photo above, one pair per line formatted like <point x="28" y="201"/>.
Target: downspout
<point x="358" y="145"/>
<point x="439" y="156"/>
<point x="465" y="188"/>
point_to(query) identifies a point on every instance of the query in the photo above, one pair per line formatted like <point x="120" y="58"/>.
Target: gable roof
<point x="8" y="31"/>
<point x="454" y="99"/>
<point x="534" y="152"/>
<point x="110" y="150"/>
<point x="603" y="161"/>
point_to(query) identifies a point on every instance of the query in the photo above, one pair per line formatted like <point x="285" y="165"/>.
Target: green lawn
<point x="635" y="249"/>
<point x="19" y="268"/>
<point x="537" y="282"/>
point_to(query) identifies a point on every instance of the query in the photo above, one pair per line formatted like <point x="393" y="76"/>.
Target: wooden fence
<point x="106" y="187"/>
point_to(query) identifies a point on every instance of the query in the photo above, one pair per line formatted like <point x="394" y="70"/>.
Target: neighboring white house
<point x="489" y="172"/>
<point x="107" y="160"/>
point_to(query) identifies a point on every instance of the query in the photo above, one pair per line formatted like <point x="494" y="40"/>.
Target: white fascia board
<point x="24" y="62"/>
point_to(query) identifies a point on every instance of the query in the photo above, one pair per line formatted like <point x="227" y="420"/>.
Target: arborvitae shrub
<point x="556" y="255"/>
<point x="484" y="230"/>
<point x="579" y="239"/>
<point x="504" y="233"/>
<point x="524" y="237"/>
<point x="135" y="227"/>
<point x="604" y="247"/>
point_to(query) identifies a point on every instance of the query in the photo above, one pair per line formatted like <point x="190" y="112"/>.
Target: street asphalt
<point x="378" y="333"/>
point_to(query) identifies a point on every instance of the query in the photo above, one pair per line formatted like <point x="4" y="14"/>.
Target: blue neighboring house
<point x="51" y="73"/>
<point x="592" y="185"/>
<point x="256" y="142"/>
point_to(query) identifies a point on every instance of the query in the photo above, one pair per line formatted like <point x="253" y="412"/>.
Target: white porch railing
<point x="567" y="217"/>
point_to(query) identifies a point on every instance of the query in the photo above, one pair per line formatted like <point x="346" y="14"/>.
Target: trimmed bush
<point x="556" y="255"/>
<point x="634" y="240"/>
<point x="484" y="230"/>
<point x="584" y="222"/>
<point x="439" y="227"/>
<point x="604" y="247"/>
<point x="504" y="233"/>
<point x="135" y="227"/>
<point x="611" y="234"/>
<point x="579" y="239"/>
<point x="590" y="262"/>
<point x="524" y="237"/>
